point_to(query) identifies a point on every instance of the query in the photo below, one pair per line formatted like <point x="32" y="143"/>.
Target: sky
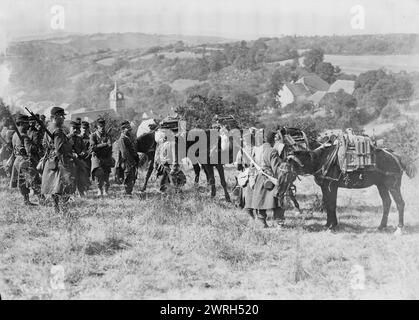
<point x="232" y="19"/>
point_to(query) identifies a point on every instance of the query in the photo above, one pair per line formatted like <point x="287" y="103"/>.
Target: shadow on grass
<point x="341" y="227"/>
<point x="107" y="247"/>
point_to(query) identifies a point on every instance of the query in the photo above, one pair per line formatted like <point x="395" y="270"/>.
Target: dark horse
<point x="146" y="144"/>
<point x="386" y="175"/>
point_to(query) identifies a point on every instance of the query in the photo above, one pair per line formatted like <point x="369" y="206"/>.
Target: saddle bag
<point x="268" y="185"/>
<point x="41" y="164"/>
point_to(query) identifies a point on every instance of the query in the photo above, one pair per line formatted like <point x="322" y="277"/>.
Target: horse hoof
<point x="331" y="228"/>
<point x="399" y="231"/>
<point x="381" y="228"/>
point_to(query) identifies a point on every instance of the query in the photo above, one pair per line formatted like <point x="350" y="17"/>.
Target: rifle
<point x="9" y="115"/>
<point x="258" y="168"/>
<point x="39" y="121"/>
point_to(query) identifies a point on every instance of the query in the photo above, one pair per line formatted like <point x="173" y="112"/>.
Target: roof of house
<point x="317" y="96"/>
<point x="314" y="83"/>
<point x="346" y="85"/>
<point x="297" y="89"/>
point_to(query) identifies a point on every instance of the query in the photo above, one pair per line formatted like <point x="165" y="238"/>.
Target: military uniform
<point x="7" y="156"/>
<point x="266" y="157"/>
<point x="58" y="177"/>
<point x="102" y="161"/>
<point x="82" y="172"/>
<point x="24" y="174"/>
<point x="127" y="159"/>
<point x="86" y="141"/>
<point x="166" y="163"/>
<point x="36" y="136"/>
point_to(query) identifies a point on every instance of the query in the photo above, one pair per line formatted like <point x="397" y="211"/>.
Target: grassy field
<point x="188" y="246"/>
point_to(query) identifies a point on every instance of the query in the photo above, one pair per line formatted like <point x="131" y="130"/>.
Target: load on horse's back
<point x="384" y="171"/>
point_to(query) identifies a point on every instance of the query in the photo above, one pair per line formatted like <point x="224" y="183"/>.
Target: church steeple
<point x="116" y="101"/>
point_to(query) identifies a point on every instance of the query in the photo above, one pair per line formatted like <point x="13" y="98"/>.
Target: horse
<point x="146" y="144"/>
<point x="386" y="176"/>
<point x="208" y="167"/>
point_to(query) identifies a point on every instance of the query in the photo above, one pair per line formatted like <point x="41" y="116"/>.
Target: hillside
<point x="158" y="72"/>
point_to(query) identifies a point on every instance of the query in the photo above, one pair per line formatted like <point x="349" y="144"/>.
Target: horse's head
<point x="301" y="161"/>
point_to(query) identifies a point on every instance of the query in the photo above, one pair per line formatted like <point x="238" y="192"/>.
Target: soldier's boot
<point x="262" y="222"/>
<point x="261" y="218"/>
<point x="251" y="214"/>
<point x="106" y="191"/>
<point x="279" y="218"/>
<point x="26" y="200"/>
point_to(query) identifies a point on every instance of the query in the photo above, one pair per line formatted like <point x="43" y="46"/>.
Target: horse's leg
<point x="209" y="171"/>
<point x="220" y="169"/>
<point x="197" y="170"/>
<point x="385" y="197"/>
<point x="397" y="197"/>
<point x="294" y="200"/>
<point x="148" y="174"/>
<point x="329" y="199"/>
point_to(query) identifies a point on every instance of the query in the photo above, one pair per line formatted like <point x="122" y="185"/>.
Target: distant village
<point x="311" y="88"/>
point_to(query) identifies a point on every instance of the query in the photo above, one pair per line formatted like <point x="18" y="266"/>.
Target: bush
<point x="390" y="112"/>
<point x="404" y="139"/>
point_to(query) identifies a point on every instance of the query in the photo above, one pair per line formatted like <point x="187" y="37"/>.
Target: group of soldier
<point x="52" y="160"/>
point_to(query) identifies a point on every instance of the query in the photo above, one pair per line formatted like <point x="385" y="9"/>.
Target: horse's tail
<point x="409" y="167"/>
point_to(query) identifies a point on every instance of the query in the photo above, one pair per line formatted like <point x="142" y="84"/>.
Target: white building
<point x="346" y="85"/>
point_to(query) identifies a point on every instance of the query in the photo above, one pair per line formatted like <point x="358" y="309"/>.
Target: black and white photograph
<point x="210" y="150"/>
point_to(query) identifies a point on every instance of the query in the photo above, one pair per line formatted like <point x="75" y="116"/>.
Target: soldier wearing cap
<point x="127" y="158"/>
<point x="102" y="161"/>
<point x="80" y="154"/>
<point x="24" y="173"/>
<point x="36" y="134"/>
<point x="166" y="161"/>
<point x="7" y="156"/>
<point x="264" y="192"/>
<point x="58" y="177"/>
<point x="85" y="135"/>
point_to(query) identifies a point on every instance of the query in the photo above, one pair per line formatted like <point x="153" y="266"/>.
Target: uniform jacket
<point x="101" y="151"/>
<point x="24" y="163"/>
<point x="269" y="160"/>
<point x="127" y="157"/>
<point x="58" y="176"/>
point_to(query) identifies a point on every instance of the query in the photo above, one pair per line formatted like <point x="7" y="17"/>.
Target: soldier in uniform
<point x="7" y="156"/>
<point x="80" y="154"/>
<point x="127" y="159"/>
<point x="102" y="161"/>
<point x="36" y="134"/>
<point x="85" y="135"/>
<point x="166" y="162"/>
<point x="264" y="197"/>
<point x="24" y="173"/>
<point x="58" y="178"/>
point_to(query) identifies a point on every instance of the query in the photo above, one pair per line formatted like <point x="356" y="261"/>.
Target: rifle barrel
<point x="40" y="122"/>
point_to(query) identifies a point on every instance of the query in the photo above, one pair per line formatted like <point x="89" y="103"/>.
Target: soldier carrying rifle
<point x="58" y="177"/>
<point x="102" y="161"/>
<point x="80" y="154"/>
<point x="24" y="173"/>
